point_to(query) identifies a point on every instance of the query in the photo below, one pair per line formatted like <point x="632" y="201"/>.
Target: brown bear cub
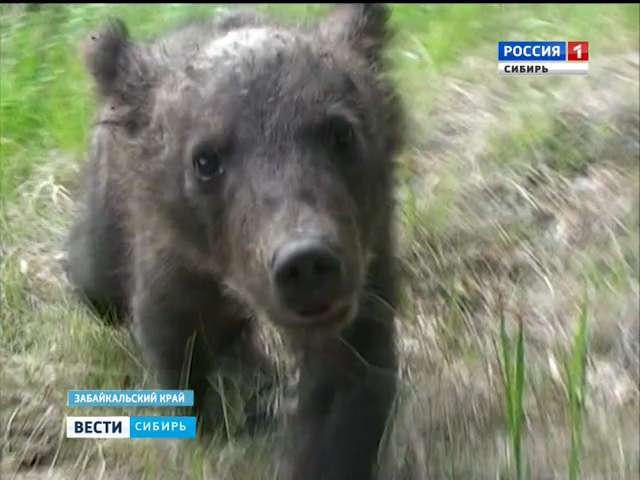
<point x="242" y="168"/>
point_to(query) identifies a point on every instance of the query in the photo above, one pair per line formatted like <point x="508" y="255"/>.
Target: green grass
<point x="512" y="188"/>
<point x="512" y="374"/>
<point x="576" y="373"/>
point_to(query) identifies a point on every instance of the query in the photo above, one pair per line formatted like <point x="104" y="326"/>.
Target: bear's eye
<point x="206" y="162"/>
<point x="341" y="133"/>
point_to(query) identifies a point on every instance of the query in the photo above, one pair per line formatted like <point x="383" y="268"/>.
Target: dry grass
<point x="518" y="197"/>
<point x="524" y="230"/>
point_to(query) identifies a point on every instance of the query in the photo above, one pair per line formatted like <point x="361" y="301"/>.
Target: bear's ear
<point x="111" y="59"/>
<point x="363" y="26"/>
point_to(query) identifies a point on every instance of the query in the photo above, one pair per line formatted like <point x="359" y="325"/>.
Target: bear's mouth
<point x="323" y="315"/>
<point x="314" y="311"/>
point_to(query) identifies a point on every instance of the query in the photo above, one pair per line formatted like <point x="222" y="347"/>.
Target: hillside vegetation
<point x="517" y="210"/>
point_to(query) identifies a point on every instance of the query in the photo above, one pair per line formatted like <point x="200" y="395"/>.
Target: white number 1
<point x="578" y="50"/>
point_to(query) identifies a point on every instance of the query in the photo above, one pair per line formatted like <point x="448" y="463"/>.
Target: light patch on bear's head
<point x="245" y="43"/>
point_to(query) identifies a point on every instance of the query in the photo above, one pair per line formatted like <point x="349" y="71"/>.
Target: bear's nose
<point x="308" y="276"/>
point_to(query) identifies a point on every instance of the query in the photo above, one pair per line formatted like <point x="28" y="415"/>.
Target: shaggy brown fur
<point x="217" y="147"/>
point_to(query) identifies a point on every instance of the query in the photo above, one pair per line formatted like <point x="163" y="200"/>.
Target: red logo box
<point x="577" y="51"/>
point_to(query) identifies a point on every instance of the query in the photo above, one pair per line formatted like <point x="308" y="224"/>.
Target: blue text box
<point x="162" y="427"/>
<point x="130" y="398"/>
<point x="532" y="51"/>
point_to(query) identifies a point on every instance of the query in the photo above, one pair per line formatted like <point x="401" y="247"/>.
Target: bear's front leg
<point x="347" y="388"/>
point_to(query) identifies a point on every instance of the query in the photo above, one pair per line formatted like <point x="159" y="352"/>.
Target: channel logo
<point x="578" y="51"/>
<point x="131" y="427"/>
<point x="543" y="58"/>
